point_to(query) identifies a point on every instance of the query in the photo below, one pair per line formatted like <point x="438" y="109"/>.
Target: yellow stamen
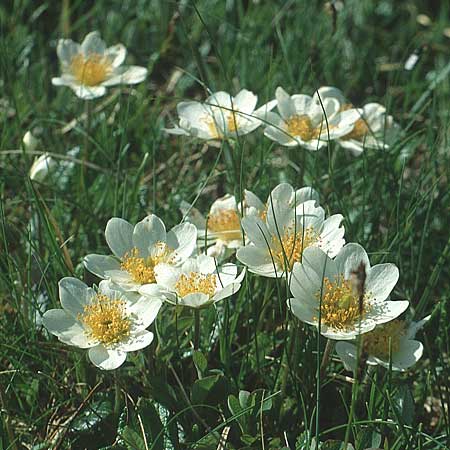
<point x="376" y="342"/>
<point x="196" y="283"/>
<point x="142" y="269"/>
<point x="300" y="126"/>
<point x="340" y="304"/>
<point x="213" y="130"/>
<point x="91" y="70"/>
<point x="232" y="122"/>
<point x="359" y="132"/>
<point x="106" y="320"/>
<point x="289" y="249"/>
<point x="225" y="224"/>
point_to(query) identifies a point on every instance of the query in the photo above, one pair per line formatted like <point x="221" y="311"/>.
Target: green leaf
<point x="98" y="410"/>
<point x="200" y="361"/>
<point x="132" y="439"/>
<point x="210" y="389"/>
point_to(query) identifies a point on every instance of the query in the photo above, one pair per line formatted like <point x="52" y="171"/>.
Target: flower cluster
<point x="301" y="120"/>
<point x="289" y="236"/>
<point x="333" y="285"/>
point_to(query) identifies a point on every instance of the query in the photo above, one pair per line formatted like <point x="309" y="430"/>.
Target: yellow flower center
<point x="106" y="320"/>
<point x="376" y="342"/>
<point x="196" y="283"/>
<point x="340" y="304"/>
<point x="232" y="121"/>
<point x="142" y="270"/>
<point x="225" y="224"/>
<point x="211" y="124"/>
<point x="90" y="71"/>
<point x="289" y="249"/>
<point x="301" y="126"/>
<point x="359" y="131"/>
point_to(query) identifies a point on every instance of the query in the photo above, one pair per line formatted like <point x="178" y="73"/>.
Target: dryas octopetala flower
<point x="138" y="250"/>
<point x="198" y="283"/>
<point x="353" y="295"/>
<point x="109" y="322"/>
<point x="395" y="338"/>
<point x="302" y="121"/>
<point x="90" y="67"/>
<point x="221" y="229"/>
<point x="221" y="116"/>
<point x="278" y="238"/>
<point x="284" y="192"/>
<point x="373" y="129"/>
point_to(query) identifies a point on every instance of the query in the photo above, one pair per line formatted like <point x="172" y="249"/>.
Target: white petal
<point x="257" y="232"/>
<point x="126" y="75"/>
<point x="88" y="92"/>
<point x="106" y="359"/>
<point x="183" y="239"/>
<point x="137" y="341"/>
<point x="347" y="353"/>
<point x="304" y="194"/>
<point x="220" y="98"/>
<point x="329" y="92"/>
<point x="66" y="50"/>
<point x="148" y="232"/>
<point x="303" y="311"/>
<point x="386" y="311"/>
<point x="255" y="258"/>
<point x="381" y="279"/>
<point x="414" y="327"/>
<point x="118" y="235"/>
<point x="99" y="264"/>
<point x="408" y="354"/>
<point x="146" y="308"/>
<point x="74" y="295"/>
<point x="285" y="104"/>
<point x="227" y="291"/>
<point x="302" y="103"/>
<point x="251" y="200"/>
<point x="245" y="101"/>
<point x="93" y="43"/>
<point x="317" y="260"/>
<point x="166" y="275"/>
<point x="206" y="264"/>
<point x="197" y="300"/>
<point x="227" y="274"/>
<point x="66" y="328"/>
<point x="116" y="54"/>
<point x="350" y="258"/>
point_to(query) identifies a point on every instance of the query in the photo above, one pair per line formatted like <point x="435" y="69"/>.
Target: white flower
<point x="30" y="142"/>
<point x="302" y="121"/>
<point x="396" y="336"/>
<point x="334" y="283"/>
<point x="279" y="237"/>
<point x="138" y="250"/>
<point x="373" y="129"/>
<point x="221" y="116"/>
<point x="41" y="167"/>
<point x="198" y="283"/>
<point x="88" y="69"/>
<point x="222" y="227"/>
<point x="293" y="198"/>
<point x="109" y="322"/>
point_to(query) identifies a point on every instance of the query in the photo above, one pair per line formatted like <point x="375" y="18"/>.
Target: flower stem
<point x="196" y="329"/>
<point x="326" y="357"/>
<point x="117" y="398"/>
